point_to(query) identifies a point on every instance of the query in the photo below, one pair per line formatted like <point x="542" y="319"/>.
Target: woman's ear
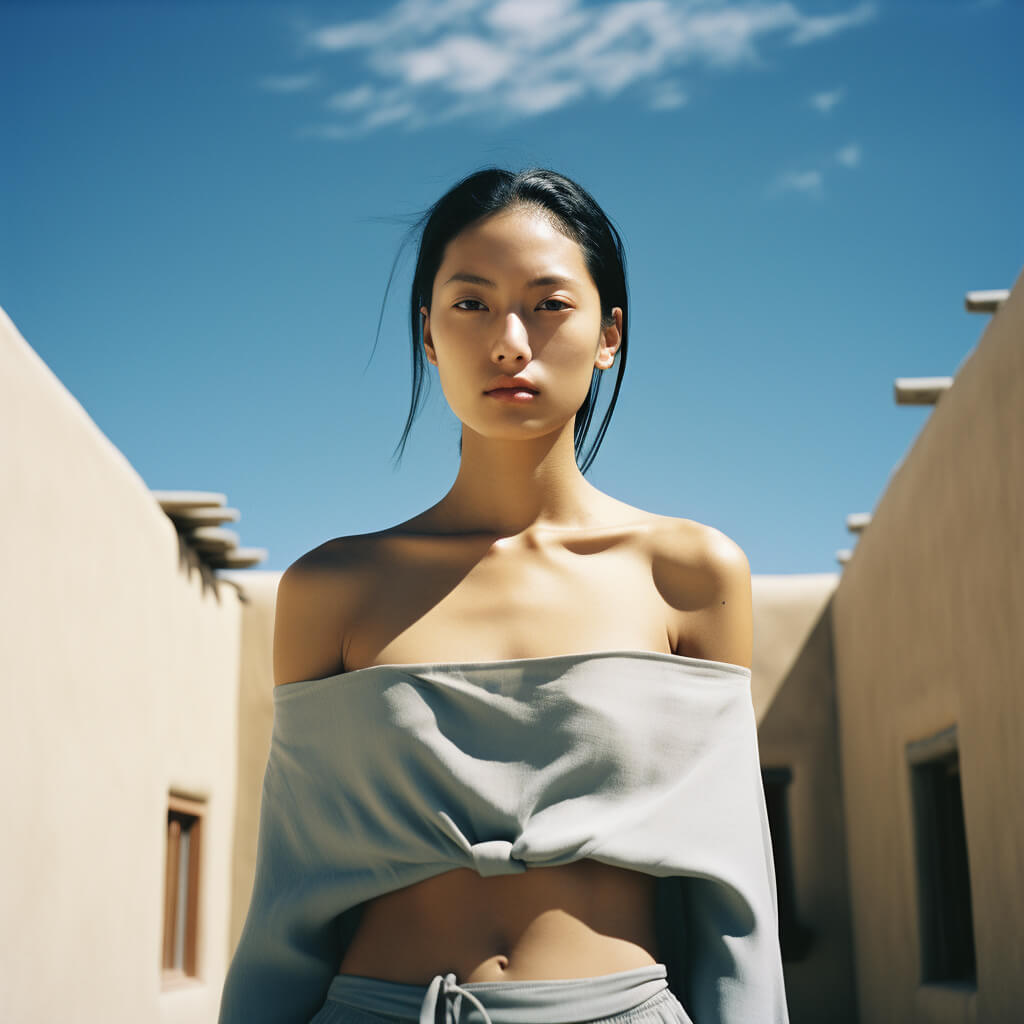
<point x="611" y="339"/>
<point x="428" y="342"/>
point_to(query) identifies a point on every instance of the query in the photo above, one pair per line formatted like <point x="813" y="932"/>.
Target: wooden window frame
<point x="942" y="907"/>
<point x="182" y="810"/>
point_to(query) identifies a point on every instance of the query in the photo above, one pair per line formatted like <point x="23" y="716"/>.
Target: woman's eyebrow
<point x="471" y="279"/>
<point x="545" y="281"/>
<point x="549" y="280"/>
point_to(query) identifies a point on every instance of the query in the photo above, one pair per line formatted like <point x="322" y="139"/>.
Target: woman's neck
<point x="508" y="487"/>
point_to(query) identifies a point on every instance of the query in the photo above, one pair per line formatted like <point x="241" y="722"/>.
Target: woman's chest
<point x="509" y="604"/>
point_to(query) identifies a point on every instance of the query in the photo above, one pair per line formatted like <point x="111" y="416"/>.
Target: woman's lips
<point x="512" y="394"/>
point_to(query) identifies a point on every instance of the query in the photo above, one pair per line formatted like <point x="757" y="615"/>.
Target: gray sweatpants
<point x="639" y="996"/>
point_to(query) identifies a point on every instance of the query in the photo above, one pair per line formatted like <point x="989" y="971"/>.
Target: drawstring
<point x="441" y="988"/>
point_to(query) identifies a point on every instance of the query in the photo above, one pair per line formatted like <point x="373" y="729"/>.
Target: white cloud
<point x="288" y="83"/>
<point x="352" y="99"/>
<point x="811" y="182"/>
<point x="807" y="182"/>
<point x="424" y="61"/>
<point x="389" y="114"/>
<point x="534" y="19"/>
<point x="409" y="17"/>
<point x="825" y="101"/>
<point x="545" y="96"/>
<point x="458" y="63"/>
<point x="667" y="96"/>
<point x="727" y="36"/>
<point x="849" y="156"/>
<point x="810" y="30"/>
<point x="330" y="131"/>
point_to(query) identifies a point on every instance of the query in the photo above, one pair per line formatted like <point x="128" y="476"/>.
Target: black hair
<point x="575" y="213"/>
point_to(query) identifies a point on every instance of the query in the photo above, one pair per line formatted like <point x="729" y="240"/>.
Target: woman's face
<point x="513" y="297"/>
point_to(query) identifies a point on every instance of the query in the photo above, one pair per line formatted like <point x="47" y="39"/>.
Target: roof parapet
<point x="856" y="522"/>
<point x="986" y="302"/>
<point x="920" y="390"/>
<point x="197" y="516"/>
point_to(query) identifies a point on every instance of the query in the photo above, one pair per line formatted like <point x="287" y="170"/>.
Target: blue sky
<point x="202" y="202"/>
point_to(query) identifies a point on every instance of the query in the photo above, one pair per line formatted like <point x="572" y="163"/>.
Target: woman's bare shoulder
<point x="697" y="542"/>
<point x="320" y="564"/>
<point x="704" y="576"/>
<point x="317" y="596"/>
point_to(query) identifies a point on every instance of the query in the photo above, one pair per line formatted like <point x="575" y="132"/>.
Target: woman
<point x="514" y="768"/>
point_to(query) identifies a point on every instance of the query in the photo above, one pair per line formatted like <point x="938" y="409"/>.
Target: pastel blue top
<point x="381" y="777"/>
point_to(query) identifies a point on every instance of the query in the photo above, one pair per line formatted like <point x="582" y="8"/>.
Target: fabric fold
<point x="383" y="777"/>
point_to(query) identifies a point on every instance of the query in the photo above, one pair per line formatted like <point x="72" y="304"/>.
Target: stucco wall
<point x="119" y="659"/>
<point x="786" y="608"/>
<point x="798" y="732"/>
<point x="255" y="724"/>
<point x="928" y="633"/>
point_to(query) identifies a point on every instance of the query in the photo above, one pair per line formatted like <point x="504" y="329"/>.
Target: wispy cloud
<point x="810" y="30"/>
<point x="825" y="101"/>
<point x="358" y="98"/>
<point x="808" y="182"/>
<point x="667" y="96"/>
<point x="423" y="61"/>
<point x="849" y="156"/>
<point x="288" y="83"/>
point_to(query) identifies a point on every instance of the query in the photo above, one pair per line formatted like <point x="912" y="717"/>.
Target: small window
<point x="794" y="938"/>
<point x="943" y="879"/>
<point x="181" y="887"/>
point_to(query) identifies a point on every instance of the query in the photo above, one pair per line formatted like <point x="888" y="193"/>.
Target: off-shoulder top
<point x="384" y="776"/>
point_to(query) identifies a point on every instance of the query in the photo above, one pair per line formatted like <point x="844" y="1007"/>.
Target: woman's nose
<point x="513" y="341"/>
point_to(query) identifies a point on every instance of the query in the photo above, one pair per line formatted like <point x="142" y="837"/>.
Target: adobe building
<point x="137" y="672"/>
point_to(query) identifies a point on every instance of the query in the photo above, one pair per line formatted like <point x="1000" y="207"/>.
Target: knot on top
<point x="491" y="857"/>
<point x="495" y="858"/>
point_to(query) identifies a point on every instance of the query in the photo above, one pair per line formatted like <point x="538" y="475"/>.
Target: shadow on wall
<point x="798" y="740"/>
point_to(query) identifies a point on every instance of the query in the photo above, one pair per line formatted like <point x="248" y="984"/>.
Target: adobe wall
<point x="799" y="733"/>
<point x="120" y="663"/>
<point x="928" y="633"/>
<point x="255" y="724"/>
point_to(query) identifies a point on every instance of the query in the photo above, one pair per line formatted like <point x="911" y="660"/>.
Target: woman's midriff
<point x="577" y="920"/>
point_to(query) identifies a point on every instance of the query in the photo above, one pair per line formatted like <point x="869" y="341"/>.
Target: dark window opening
<point x="943" y="879"/>
<point x="181" y="888"/>
<point x="794" y="937"/>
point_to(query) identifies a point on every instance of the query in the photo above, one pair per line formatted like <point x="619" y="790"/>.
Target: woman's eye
<point x="469" y="304"/>
<point x="554" y="305"/>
